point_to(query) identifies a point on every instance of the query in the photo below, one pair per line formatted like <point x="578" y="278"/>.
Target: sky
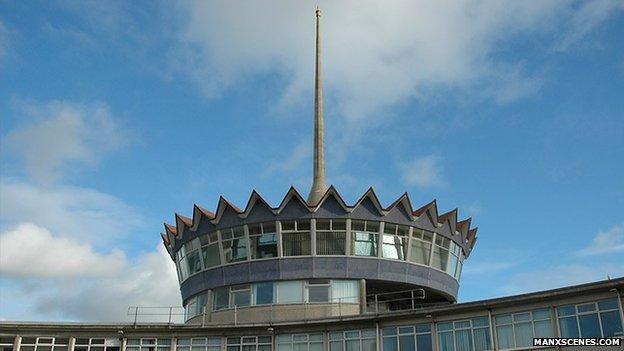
<point x="115" y="115"/>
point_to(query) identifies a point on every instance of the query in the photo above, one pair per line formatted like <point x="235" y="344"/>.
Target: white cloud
<point x="608" y="242"/>
<point x="375" y="55"/>
<point x="560" y="276"/>
<point x="58" y="134"/>
<point x="423" y="172"/>
<point x="589" y="16"/>
<point x="32" y="251"/>
<point x="300" y="153"/>
<point x="148" y="280"/>
<point x="75" y="212"/>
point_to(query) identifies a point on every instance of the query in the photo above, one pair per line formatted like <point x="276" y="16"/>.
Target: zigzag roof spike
<point x="290" y="194"/>
<point x="329" y="192"/>
<point x="253" y="198"/>
<point x="407" y="204"/>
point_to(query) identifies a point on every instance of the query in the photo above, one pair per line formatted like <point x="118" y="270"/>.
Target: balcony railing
<point x="382" y="303"/>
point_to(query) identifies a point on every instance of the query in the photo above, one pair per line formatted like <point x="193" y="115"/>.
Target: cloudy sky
<point x="115" y="115"/>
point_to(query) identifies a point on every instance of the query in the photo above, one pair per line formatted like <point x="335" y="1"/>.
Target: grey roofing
<point x="331" y="205"/>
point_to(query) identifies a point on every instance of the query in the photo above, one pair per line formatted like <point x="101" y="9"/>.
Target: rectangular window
<point x="234" y="244"/>
<point x="422" y="241"/>
<point x="44" y="344"/>
<point x="407" y="338"/>
<point x="318" y="290"/>
<point x="148" y="344"/>
<point x="331" y="236"/>
<point x="263" y="293"/>
<point x="240" y="295"/>
<point x="221" y="298"/>
<point x="296" y="238"/>
<point x="198" y="344"/>
<point x="290" y="292"/>
<point x="364" y="238"/>
<point x="441" y="253"/>
<point x="596" y="319"/>
<point x="394" y="243"/>
<point x="300" y="342"/>
<point x="465" y="335"/>
<point x="353" y="340"/>
<point x="211" y="255"/>
<point x="6" y="342"/>
<point x="518" y="330"/>
<point x="263" y="239"/>
<point x="249" y="343"/>
<point x="195" y="306"/>
<point x="345" y="291"/>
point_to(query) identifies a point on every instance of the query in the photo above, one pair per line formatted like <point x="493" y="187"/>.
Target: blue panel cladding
<point x="294" y="209"/>
<point x="296" y="268"/>
<point x="398" y="214"/>
<point x="229" y="219"/>
<point x="330" y="267"/>
<point x="366" y="210"/>
<point x="236" y="274"/>
<point x="264" y="270"/>
<point x="260" y="212"/>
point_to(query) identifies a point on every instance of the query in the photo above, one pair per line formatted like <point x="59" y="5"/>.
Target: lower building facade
<point x="511" y="323"/>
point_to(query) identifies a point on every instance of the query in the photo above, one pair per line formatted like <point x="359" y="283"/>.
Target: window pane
<point x="446" y="342"/>
<point x="481" y="339"/>
<point x="586" y="307"/>
<point x="221" y="298"/>
<point x="389" y="343"/>
<point x="568" y="327"/>
<point x="423" y="342"/>
<point x="611" y="323"/>
<point x="543" y="329"/>
<point x="194" y="264"/>
<point x="235" y="250"/>
<point x="263" y="293"/>
<point x="407" y="343"/>
<point x="241" y="297"/>
<point x="440" y="258"/>
<point x="589" y="325"/>
<point x="211" y="255"/>
<point x="335" y="346"/>
<point x="296" y="244"/>
<point x="524" y="334"/>
<point x="364" y="244"/>
<point x="565" y="311"/>
<point x="608" y="305"/>
<point x="290" y="292"/>
<point x="420" y="252"/>
<point x="541" y="314"/>
<point x="393" y="247"/>
<point x="264" y="246"/>
<point x="352" y="345"/>
<point x="463" y="340"/>
<point x="504" y="336"/>
<point x="330" y="243"/>
<point x="369" y="345"/>
<point x="345" y="291"/>
<point x="318" y="293"/>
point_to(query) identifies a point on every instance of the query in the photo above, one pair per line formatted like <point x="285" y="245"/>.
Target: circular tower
<point x="317" y="258"/>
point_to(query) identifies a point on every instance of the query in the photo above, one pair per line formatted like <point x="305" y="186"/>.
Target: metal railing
<point x="390" y="302"/>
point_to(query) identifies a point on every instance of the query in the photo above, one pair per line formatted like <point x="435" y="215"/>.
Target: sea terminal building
<point x="318" y="274"/>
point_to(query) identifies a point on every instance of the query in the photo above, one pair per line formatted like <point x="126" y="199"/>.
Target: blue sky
<point x="115" y="115"/>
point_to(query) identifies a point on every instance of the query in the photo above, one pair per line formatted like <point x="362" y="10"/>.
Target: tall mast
<point x="318" y="185"/>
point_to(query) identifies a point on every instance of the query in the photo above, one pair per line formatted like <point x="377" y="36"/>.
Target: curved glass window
<point x="263" y="240"/>
<point x="234" y="244"/>
<point x="330" y="236"/>
<point x="283" y="292"/>
<point x="364" y="238"/>
<point x="296" y="238"/>
<point x="394" y="241"/>
<point x="422" y="241"/>
<point x="441" y="253"/>
<point x="260" y="241"/>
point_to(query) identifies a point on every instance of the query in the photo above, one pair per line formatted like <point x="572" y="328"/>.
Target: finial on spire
<point x="318" y="184"/>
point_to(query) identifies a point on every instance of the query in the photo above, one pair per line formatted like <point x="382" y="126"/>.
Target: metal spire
<point x="318" y="185"/>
